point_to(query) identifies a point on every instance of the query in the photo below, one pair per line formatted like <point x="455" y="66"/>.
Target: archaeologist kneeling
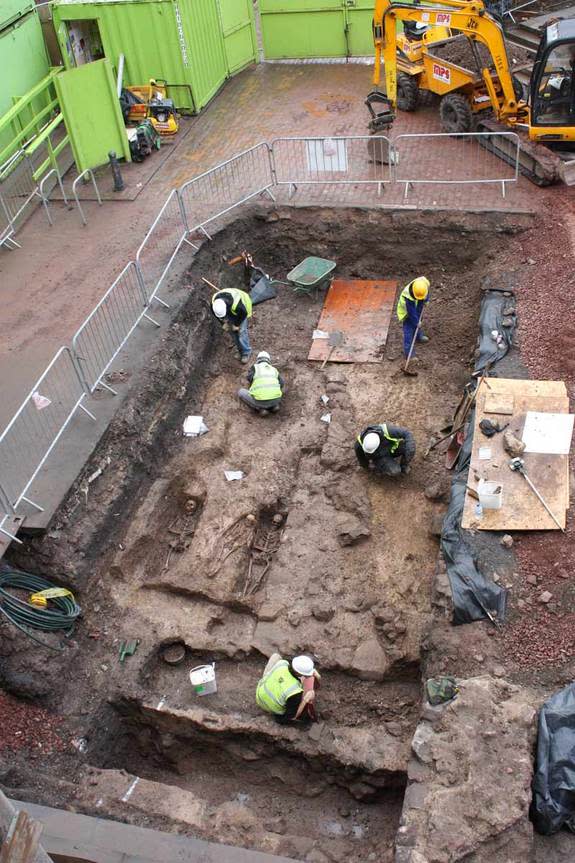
<point x="266" y="386"/>
<point x="287" y="689"/>
<point x="233" y="308"/>
<point x="385" y="448"/>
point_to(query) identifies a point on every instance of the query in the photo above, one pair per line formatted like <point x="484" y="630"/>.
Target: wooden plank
<point x="22" y="842"/>
<point x="361" y="310"/>
<point x="521" y="509"/>
<point x="21" y="836"/>
<point x="499" y="403"/>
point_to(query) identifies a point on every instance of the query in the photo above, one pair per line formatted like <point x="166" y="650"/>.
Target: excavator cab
<point x="552" y="87"/>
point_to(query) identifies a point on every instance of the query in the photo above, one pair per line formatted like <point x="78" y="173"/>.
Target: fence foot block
<point x="148" y="318"/>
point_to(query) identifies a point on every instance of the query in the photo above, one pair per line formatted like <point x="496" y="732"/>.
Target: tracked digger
<point x="486" y="98"/>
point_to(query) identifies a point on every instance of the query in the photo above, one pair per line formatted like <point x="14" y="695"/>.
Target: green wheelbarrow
<point x="311" y="275"/>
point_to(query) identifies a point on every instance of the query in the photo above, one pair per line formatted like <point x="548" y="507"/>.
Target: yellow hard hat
<point x="420" y="288"/>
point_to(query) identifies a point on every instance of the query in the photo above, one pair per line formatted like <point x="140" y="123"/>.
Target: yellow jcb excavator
<point x="486" y="99"/>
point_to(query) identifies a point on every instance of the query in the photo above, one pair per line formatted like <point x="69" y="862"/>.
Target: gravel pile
<point x="24" y="726"/>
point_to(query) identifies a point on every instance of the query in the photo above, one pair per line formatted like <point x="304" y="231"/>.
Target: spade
<point x="334" y="341"/>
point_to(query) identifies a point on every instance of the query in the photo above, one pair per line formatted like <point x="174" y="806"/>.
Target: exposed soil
<point x="159" y="552"/>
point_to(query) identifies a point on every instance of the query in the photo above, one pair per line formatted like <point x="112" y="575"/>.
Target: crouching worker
<point x="266" y="386"/>
<point x="287" y="689"/>
<point x="233" y="308"/>
<point x="385" y="448"/>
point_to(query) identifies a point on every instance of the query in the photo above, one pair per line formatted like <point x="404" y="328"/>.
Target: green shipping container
<point x="194" y="45"/>
<point x="23" y="55"/>
<point x="316" y="28"/>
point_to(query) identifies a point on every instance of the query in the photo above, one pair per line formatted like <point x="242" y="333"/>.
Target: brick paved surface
<point x="50" y="285"/>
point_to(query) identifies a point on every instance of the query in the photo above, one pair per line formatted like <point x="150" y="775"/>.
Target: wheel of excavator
<point x="407" y="92"/>
<point x="455" y="113"/>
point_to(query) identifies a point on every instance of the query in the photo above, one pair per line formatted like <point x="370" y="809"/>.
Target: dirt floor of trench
<point x="159" y="552"/>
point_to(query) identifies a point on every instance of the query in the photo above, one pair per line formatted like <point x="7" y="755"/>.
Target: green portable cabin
<point x="23" y="56"/>
<point x="193" y="45"/>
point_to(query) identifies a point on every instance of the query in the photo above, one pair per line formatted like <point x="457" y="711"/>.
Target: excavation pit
<point x="164" y="552"/>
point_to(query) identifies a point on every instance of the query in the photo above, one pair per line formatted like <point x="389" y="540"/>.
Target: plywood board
<point x="550" y="473"/>
<point x="362" y="311"/>
<point x="499" y="403"/>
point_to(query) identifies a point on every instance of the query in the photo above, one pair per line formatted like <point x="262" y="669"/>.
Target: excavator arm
<point x="470" y="18"/>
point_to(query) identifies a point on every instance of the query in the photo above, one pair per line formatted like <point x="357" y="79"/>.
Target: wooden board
<point x="361" y="310"/>
<point x="521" y="509"/>
<point x="499" y="403"/>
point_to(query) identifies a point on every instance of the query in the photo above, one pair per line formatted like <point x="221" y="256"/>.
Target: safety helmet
<point x="303" y="665"/>
<point x="370" y="442"/>
<point x="263" y="355"/>
<point x="220" y="308"/>
<point x="420" y="288"/>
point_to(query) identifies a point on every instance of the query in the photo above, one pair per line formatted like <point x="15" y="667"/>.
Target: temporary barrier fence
<point x="109" y="326"/>
<point x="161" y="245"/>
<point x="37" y="426"/>
<point x="216" y="192"/>
<point x="86" y="175"/>
<point x="359" y="160"/>
<point x="19" y="189"/>
<point x="353" y="162"/>
<point x="464" y="159"/>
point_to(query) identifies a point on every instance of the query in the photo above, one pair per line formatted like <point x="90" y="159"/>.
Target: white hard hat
<point x="371" y="442"/>
<point x="220" y="308"/>
<point x="263" y="355"/>
<point x="303" y="665"/>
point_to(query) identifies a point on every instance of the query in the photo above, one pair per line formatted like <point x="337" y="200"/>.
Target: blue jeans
<point x="242" y="339"/>
<point x="408" y="334"/>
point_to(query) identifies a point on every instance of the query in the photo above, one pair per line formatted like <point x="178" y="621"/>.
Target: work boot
<point x="275" y="409"/>
<point x="244" y="360"/>
<point x="406" y="469"/>
<point x="264" y="413"/>
<point x="423" y="339"/>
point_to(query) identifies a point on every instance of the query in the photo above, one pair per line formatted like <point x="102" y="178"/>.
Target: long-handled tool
<point x="211" y="284"/>
<point x="518" y="465"/>
<point x="334" y="341"/>
<point x="478" y="599"/>
<point x="464" y="415"/>
<point x="406" y="370"/>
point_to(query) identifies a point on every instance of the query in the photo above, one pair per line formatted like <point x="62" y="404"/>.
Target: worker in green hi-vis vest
<point x="286" y="689"/>
<point x="385" y="448"/>
<point x="266" y="386"/>
<point x="233" y="308"/>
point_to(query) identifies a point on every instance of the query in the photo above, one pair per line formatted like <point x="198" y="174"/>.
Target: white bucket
<point x="490" y="494"/>
<point x="203" y="679"/>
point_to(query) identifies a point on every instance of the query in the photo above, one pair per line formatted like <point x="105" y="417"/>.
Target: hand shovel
<point x="334" y="341"/>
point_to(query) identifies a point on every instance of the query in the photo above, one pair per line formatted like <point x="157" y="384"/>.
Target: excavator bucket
<point x="381" y="110"/>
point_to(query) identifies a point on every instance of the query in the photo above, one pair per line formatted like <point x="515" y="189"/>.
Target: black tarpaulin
<point x="553" y="804"/>
<point x="472" y="592"/>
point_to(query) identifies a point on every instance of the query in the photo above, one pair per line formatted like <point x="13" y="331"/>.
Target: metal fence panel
<point x="216" y="192"/>
<point x="38" y="424"/>
<point x="17" y="185"/>
<point x="161" y="244"/>
<point x="108" y="327"/>
<point x="356" y="160"/>
<point x="463" y="159"/>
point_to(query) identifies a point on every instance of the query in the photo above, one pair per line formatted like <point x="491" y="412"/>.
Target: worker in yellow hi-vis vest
<point x="233" y="308"/>
<point x="266" y="386"/>
<point x="387" y="449"/>
<point x="412" y="301"/>
<point x="287" y="689"/>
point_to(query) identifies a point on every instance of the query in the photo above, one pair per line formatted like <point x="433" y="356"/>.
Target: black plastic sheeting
<point x="472" y="592"/>
<point x="553" y="804"/>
